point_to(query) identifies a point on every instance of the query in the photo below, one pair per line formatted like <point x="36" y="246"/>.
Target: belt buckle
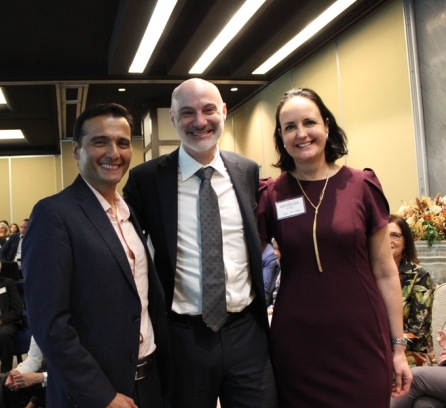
<point x="137" y="371"/>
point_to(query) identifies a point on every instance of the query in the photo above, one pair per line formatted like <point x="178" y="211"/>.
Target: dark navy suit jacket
<point x="152" y="192"/>
<point x="9" y="249"/>
<point x="84" y="308"/>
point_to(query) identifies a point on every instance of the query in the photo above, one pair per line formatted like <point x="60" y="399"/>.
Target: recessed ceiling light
<point x="9" y="134"/>
<point x="121" y="89"/>
<point x="311" y="29"/>
<point x="234" y="89"/>
<point x="155" y="28"/>
<point x="2" y="98"/>
<point x="226" y="35"/>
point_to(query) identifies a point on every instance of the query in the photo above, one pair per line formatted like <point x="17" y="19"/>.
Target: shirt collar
<point x="122" y="212"/>
<point x="189" y="166"/>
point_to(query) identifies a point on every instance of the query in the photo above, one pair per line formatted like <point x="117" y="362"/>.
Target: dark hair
<point x="410" y="252"/>
<point x="336" y="145"/>
<point x="100" y="109"/>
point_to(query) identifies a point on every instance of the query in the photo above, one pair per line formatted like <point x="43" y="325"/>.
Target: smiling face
<point x="104" y="153"/>
<point x="303" y="130"/>
<point x="198" y="114"/>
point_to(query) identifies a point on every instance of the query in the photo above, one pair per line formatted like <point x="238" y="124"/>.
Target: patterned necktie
<point x="213" y="279"/>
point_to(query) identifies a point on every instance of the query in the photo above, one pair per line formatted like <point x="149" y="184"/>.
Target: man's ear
<point x="172" y="117"/>
<point x="75" y="150"/>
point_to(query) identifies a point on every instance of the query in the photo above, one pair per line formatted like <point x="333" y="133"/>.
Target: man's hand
<point x="16" y="380"/>
<point x="121" y="401"/>
<point x="10" y="380"/>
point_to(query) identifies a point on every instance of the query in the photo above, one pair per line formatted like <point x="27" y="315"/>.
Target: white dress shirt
<point x="33" y="360"/>
<point x="187" y="297"/>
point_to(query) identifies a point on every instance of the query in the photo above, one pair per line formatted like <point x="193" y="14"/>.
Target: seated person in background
<point x="26" y="385"/>
<point x="428" y="388"/>
<point x="417" y="291"/>
<point x="12" y="250"/>
<point x="11" y="309"/>
<point x="271" y="270"/>
<point x="4" y="233"/>
<point x="14" y="228"/>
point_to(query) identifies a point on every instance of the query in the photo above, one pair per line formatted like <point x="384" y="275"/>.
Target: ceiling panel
<point x="59" y="56"/>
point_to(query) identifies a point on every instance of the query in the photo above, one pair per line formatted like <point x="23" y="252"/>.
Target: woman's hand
<point x="442" y="339"/>
<point x="442" y="357"/>
<point x="401" y="372"/>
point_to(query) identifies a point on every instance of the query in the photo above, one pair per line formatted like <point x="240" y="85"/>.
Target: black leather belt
<point x="197" y="320"/>
<point x="144" y="366"/>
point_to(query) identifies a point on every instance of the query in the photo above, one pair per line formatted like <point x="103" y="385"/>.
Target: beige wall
<point x="363" y="78"/>
<point x="24" y="181"/>
<point x="5" y="207"/>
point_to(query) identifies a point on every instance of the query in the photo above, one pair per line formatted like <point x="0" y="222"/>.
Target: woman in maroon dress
<point x="337" y="330"/>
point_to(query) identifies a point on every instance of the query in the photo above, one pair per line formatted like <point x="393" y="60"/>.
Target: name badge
<point x="290" y="208"/>
<point x="2" y="290"/>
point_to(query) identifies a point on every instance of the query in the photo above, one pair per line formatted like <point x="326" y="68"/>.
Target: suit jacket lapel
<point x="241" y="187"/>
<point x="96" y="214"/>
<point x="167" y="187"/>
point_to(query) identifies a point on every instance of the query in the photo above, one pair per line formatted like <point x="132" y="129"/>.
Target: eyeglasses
<point x="395" y="236"/>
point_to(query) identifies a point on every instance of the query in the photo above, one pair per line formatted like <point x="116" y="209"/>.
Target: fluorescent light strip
<point x="2" y="98"/>
<point x="10" y="134"/>
<point x="226" y="35"/>
<point x="155" y="28"/>
<point x="311" y="29"/>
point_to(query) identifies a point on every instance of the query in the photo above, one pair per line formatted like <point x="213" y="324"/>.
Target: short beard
<point x="204" y="145"/>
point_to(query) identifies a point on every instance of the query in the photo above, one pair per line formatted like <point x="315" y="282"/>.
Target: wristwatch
<point x="401" y="342"/>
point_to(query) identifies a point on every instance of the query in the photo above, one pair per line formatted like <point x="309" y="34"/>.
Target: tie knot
<point x="205" y="173"/>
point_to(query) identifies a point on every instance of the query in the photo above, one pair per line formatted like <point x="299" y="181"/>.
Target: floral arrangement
<point x="426" y="218"/>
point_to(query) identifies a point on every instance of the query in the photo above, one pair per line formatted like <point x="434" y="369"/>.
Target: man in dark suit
<point x="95" y="302"/>
<point x="11" y="308"/>
<point x="12" y="249"/>
<point x="229" y="361"/>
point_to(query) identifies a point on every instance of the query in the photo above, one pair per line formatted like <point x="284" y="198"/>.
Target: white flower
<point x="403" y="209"/>
<point x="436" y="209"/>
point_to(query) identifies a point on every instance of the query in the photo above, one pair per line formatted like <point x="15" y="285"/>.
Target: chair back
<point x="438" y="316"/>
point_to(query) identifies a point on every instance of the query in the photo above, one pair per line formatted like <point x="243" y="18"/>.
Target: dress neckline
<point x="317" y="181"/>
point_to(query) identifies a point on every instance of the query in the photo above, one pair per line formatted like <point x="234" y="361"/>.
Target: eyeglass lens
<point x="394" y="236"/>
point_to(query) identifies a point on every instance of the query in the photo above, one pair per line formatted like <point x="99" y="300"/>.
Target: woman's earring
<point x="326" y="136"/>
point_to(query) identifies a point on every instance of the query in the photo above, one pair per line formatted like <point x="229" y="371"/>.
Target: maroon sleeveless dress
<point x="330" y="333"/>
